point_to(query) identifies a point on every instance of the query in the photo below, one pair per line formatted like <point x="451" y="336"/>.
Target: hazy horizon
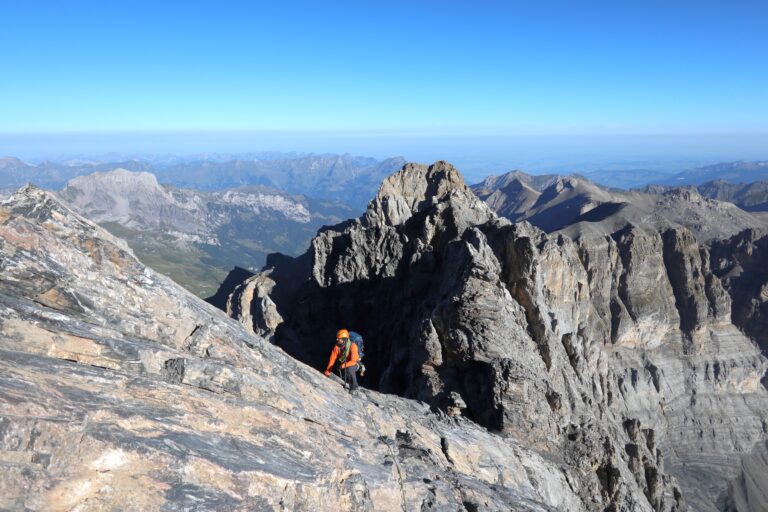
<point x="475" y="155"/>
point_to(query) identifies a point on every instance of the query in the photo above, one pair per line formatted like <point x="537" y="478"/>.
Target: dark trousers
<point x="350" y="376"/>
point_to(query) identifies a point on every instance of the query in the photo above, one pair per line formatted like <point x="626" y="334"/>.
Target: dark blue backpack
<point x="357" y="340"/>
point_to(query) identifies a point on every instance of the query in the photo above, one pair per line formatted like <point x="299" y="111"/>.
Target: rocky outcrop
<point x="234" y="279"/>
<point x="615" y="352"/>
<point x="120" y="390"/>
<point x="699" y="297"/>
<point x="251" y="304"/>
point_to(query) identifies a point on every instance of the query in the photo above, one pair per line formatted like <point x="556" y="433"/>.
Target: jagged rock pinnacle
<point x="415" y="187"/>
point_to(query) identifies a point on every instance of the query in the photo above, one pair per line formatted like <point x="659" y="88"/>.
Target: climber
<point x="347" y="354"/>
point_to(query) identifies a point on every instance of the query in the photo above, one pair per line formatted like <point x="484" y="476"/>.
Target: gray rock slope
<point x="119" y="390"/>
<point x="580" y="208"/>
<point x="615" y="354"/>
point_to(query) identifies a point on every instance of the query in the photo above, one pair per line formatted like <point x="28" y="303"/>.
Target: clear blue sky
<point x="494" y="67"/>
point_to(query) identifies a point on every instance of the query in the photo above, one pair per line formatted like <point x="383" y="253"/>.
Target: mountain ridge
<point x="597" y="349"/>
<point x="347" y="178"/>
<point x="621" y="371"/>
<point x="578" y="207"/>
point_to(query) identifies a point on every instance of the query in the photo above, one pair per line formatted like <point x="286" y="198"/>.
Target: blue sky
<point x="428" y="68"/>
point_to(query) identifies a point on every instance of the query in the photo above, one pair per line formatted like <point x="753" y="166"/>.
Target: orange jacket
<point x="352" y="358"/>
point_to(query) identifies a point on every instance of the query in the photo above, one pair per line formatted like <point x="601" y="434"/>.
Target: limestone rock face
<point x="614" y="353"/>
<point x="121" y="391"/>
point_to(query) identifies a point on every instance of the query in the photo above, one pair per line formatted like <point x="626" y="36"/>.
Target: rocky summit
<point x="119" y="390"/>
<point x="623" y="358"/>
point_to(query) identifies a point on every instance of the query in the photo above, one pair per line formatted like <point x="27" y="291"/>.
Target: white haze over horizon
<point x="476" y="155"/>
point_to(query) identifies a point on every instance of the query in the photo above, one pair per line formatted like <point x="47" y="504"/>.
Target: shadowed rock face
<point x="120" y="390"/>
<point x="742" y="264"/>
<point x="234" y="278"/>
<point x="615" y="352"/>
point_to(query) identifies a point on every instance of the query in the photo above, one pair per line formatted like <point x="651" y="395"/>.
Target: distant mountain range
<point x="640" y="176"/>
<point x="345" y="178"/>
<point x="197" y="237"/>
<point x="578" y="207"/>
<point x="731" y="172"/>
<point x="352" y="179"/>
<point x="215" y="212"/>
<point x="15" y="173"/>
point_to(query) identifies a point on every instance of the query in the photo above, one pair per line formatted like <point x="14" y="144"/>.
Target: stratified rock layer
<point x="615" y="352"/>
<point x="121" y="391"/>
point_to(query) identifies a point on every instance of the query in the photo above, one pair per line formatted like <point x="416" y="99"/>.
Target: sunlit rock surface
<point x="121" y="391"/>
